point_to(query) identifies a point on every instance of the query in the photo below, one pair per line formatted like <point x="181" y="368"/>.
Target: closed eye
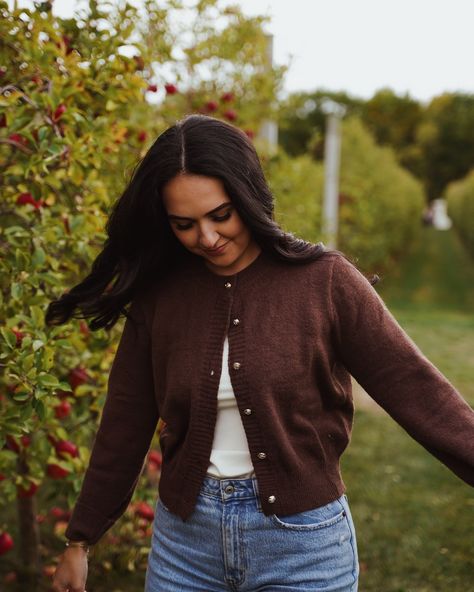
<point x="215" y="218"/>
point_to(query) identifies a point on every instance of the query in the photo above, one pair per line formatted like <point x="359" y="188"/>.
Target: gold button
<point x="262" y="455"/>
<point x="236" y="365"/>
<point x="247" y="411"/>
<point x="236" y="321"/>
<point x="271" y="499"/>
<point x="228" y="285"/>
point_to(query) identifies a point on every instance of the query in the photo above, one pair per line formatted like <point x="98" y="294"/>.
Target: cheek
<point x="185" y="238"/>
<point x="239" y="230"/>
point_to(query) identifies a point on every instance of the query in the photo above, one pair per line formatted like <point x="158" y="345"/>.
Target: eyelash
<point x="216" y="218"/>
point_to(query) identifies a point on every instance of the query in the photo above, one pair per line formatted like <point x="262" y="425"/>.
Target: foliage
<point x="394" y="485"/>
<point x="393" y="120"/>
<point x="433" y="142"/>
<point x="296" y="183"/>
<point x="381" y="203"/>
<point x="302" y="119"/>
<point x="75" y="116"/>
<point x="460" y="207"/>
<point x="446" y="141"/>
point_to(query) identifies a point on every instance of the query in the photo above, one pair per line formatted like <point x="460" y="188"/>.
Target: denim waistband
<point x="234" y="487"/>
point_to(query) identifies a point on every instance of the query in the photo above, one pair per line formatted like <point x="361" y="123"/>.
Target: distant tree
<point x="302" y="120"/>
<point x="393" y="120"/>
<point x="445" y="138"/>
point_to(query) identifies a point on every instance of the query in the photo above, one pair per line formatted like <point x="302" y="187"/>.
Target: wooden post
<point x="332" y="148"/>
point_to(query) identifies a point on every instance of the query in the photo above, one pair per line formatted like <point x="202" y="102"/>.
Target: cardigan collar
<point x="248" y="274"/>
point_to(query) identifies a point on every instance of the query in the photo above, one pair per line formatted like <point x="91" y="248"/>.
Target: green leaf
<point x="36" y="315"/>
<point x="65" y="343"/>
<point x="8" y="336"/>
<point x="31" y="374"/>
<point x="28" y="362"/>
<point x="54" y="148"/>
<point x="37" y="344"/>
<point x="21" y="396"/>
<point x="48" y="380"/>
<point x="48" y="357"/>
<point x="43" y="133"/>
<point x="62" y="433"/>
<point x="39" y="257"/>
<point x="25" y="413"/>
<point x="40" y="409"/>
<point x="16" y="291"/>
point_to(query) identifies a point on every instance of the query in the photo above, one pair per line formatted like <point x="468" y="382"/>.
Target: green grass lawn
<point x="414" y="518"/>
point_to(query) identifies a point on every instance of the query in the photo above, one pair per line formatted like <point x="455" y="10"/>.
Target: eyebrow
<point x="174" y="217"/>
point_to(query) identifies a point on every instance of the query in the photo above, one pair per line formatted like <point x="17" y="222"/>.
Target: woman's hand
<point x="71" y="572"/>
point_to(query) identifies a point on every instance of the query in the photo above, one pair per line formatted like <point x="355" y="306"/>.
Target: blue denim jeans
<point x="228" y="543"/>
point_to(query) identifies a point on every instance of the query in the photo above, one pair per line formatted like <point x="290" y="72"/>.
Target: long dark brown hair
<point x="141" y="244"/>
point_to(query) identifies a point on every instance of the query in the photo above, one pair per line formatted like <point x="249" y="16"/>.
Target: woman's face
<point x="203" y="218"/>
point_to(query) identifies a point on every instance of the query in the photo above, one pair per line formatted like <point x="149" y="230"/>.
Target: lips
<point x="218" y="250"/>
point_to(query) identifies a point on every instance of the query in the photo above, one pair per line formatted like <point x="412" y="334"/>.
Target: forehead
<point x="193" y="193"/>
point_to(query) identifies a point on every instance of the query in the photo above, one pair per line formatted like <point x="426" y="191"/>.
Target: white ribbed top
<point x="230" y="456"/>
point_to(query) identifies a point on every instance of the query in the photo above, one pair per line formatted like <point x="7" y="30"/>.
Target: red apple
<point x="230" y="114"/>
<point x="250" y="133"/>
<point x="27" y="198"/>
<point x="155" y="458"/>
<point x="142" y="136"/>
<point x="12" y="444"/>
<point x="59" y="514"/>
<point x="212" y="106"/>
<point x="62" y="410"/>
<point x="145" y="511"/>
<point x="32" y="489"/>
<point x="40" y="518"/>
<point x="6" y="543"/>
<point x="65" y="448"/>
<point x="2" y="477"/>
<point x="56" y="472"/>
<point x="19" y="336"/>
<point x="63" y="394"/>
<point x="152" y="88"/>
<point x="59" y="112"/>
<point x="170" y="89"/>
<point x="227" y="97"/>
<point x="25" y="440"/>
<point x="18" y="138"/>
<point x="77" y="376"/>
<point x="84" y="328"/>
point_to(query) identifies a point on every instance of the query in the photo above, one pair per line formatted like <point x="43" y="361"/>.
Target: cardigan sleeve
<point x="128" y="421"/>
<point x="392" y="369"/>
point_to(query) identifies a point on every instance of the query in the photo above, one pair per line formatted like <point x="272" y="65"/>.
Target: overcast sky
<point x="420" y="47"/>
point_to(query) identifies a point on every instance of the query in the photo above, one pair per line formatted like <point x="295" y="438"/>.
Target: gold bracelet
<point x="83" y="544"/>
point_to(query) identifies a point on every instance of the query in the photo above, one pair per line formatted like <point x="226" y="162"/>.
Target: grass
<point x="414" y="518"/>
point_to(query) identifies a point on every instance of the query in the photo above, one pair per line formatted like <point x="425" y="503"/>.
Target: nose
<point x="208" y="237"/>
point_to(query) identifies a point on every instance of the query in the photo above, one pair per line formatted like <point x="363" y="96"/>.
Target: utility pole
<point x="332" y="149"/>
<point x="268" y="128"/>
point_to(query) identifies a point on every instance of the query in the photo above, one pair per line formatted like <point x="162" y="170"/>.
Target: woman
<point x="242" y="339"/>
